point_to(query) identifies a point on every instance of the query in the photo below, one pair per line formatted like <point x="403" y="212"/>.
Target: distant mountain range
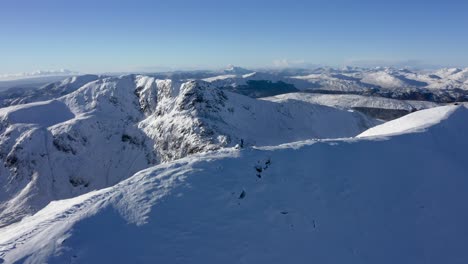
<point x="35" y="74"/>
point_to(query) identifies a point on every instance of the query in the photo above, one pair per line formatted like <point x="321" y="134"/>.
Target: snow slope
<point x="373" y="106"/>
<point x="351" y="101"/>
<point x="395" y="200"/>
<point x="112" y="127"/>
<point x="384" y="80"/>
<point x="330" y="81"/>
<point x="416" y="122"/>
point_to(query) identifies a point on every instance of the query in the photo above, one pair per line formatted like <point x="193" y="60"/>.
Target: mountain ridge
<point x="111" y="127"/>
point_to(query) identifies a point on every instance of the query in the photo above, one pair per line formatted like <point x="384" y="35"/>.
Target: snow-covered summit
<point x="231" y="69"/>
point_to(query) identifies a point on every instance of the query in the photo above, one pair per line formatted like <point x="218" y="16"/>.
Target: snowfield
<point x="395" y="197"/>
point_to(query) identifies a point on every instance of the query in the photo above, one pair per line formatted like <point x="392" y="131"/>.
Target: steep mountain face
<point x="54" y="149"/>
<point x="109" y="128"/>
<point x="202" y="118"/>
<point x="331" y="201"/>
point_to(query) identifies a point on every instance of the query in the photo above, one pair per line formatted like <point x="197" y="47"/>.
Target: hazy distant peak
<point x="231" y="69"/>
<point x="38" y="73"/>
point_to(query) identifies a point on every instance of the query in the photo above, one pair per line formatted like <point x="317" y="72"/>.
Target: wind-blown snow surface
<point x="416" y="122"/>
<point x="109" y="128"/>
<point x="375" y="200"/>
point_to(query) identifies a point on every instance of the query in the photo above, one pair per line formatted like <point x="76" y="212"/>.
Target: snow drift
<point x="416" y="122"/>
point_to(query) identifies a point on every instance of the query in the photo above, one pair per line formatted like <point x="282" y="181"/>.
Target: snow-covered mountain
<point x="378" y="107"/>
<point x="456" y="74"/>
<point x="385" y="78"/>
<point x="15" y="96"/>
<point x="403" y="84"/>
<point x="109" y="128"/>
<point x="254" y="84"/>
<point x="441" y="86"/>
<point x="390" y="196"/>
<point x="232" y="69"/>
<point x="53" y="149"/>
<point x="347" y="101"/>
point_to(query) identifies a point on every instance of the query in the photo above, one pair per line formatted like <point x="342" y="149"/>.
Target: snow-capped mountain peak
<point x="231" y="69"/>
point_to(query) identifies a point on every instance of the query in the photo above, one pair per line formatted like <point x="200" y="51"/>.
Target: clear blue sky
<point x="121" y="35"/>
